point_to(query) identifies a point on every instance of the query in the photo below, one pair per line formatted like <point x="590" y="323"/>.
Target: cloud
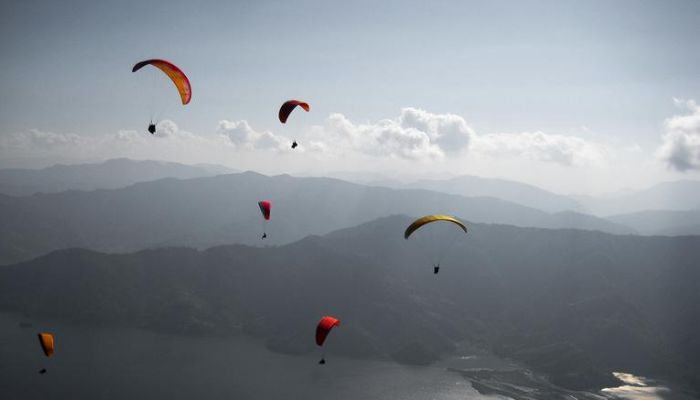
<point x="420" y="135"/>
<point x="244" y="137"/>
<point x="412" y="135"/>
<point x="415" y="134"/>
<point x="39" y="139"/>
<point x="680" y="149"/>
<point x="169" y="143"/>
<point x="448" y="131"/>
<point x="539" y="146"/>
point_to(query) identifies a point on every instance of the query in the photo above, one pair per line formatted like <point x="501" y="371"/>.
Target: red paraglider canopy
<point x="289" y="106"/>
<point x="265" y="208"/>
<point x="324" y="327"/>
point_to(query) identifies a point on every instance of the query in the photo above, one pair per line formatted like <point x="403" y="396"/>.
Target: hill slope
<point x="575" y="305"/>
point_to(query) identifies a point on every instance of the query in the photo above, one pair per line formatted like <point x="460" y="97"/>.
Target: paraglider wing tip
<point x="143" y="63"/>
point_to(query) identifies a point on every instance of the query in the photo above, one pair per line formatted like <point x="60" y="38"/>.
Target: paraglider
<point x="182" y="83"/>
<point x="289" y="106"/>
<point x="265" y="209"/>
<point x="422" y="221"/>
<point x="322" y="330"/>
<point x="47" y="346"/>
<point x="287" y="109"/>
<point x="47" y="343"/>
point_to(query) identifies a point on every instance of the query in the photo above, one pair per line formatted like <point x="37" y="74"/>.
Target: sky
<point x="576" y="97"/>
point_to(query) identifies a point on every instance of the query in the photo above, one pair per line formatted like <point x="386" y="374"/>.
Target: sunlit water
<point x="640" y="388"/>
<point x="99" y="363"/>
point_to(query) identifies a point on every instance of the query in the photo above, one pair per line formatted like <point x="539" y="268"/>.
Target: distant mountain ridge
<point x="572" y="304"/>
<point x="110" y="174"/>
<point x="682" y="195"/>
<point x="661" y="222"/>
<point x="516" y="192"/>
<point x="204" y="212"/>
<point x="668" y="208"/>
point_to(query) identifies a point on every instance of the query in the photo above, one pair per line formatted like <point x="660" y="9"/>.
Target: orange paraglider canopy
<point x="289" y="106"/>
<point x="324" y="327"/>
<point x="46" y="341"/>
<point x="182" y="83"/>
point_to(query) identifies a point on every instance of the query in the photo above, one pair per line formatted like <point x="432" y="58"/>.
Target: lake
<point x="103" y="363"/>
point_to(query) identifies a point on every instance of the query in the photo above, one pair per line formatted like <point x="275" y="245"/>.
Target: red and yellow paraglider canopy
<point x="182" y="83"/>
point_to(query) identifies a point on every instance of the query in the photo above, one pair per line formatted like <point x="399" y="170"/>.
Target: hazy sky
<point x="573" y="96"/>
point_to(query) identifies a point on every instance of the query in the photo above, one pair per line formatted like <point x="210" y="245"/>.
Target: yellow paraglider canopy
<point x="415" y="225"/>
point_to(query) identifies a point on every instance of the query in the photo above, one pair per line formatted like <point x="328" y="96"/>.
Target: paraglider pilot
<point x="436" y="268"/>
<point x="264" y="235"/>
<point x="294" y="144"/>
<point x="152" y="128"/>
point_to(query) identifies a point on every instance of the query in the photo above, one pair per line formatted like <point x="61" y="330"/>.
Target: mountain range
<point x="209" y="211"/>
<point x="111" y="174"/>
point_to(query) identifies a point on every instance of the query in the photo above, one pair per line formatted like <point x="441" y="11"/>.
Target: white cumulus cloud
<point x="540" y="146"/>
<point x="244" y="137"/>
<point x="414" y="134"/>
<point x="420" y="135"/>
<point x="170" y="142"/>
<point x="681" y="141"/>
<point x="39" y="139"/>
